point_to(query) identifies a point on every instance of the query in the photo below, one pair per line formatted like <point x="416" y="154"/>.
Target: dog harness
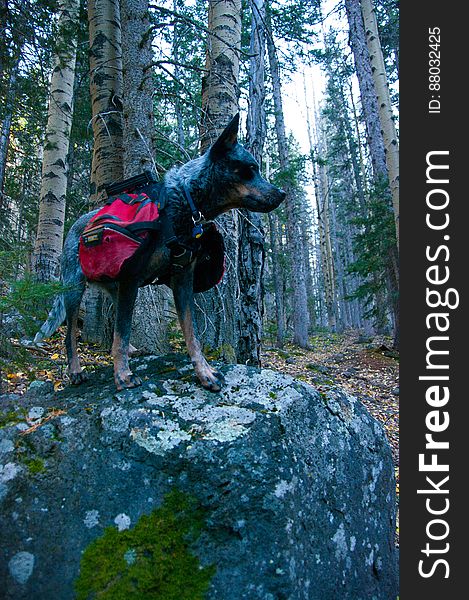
<point x="121" y="236"/>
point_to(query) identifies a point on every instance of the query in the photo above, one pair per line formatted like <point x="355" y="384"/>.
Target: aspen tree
<point x="50" y="231"/>
<point x="218" y="308"/>
<point x="388" y="128"/>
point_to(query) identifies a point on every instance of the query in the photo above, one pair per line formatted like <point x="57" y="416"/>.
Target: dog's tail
<point x="54" y="320"/>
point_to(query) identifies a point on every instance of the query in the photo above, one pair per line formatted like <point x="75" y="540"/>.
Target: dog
<point x="226" y="177"/>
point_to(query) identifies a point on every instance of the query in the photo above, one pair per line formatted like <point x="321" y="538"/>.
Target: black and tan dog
<point x="225" y="177"/>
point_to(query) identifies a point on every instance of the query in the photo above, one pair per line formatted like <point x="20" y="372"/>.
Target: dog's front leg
<point x="182" y="286"/>
<point x="125" y="302"/>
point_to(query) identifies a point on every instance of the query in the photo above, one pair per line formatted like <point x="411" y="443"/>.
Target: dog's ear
<point x="227" y="139"/>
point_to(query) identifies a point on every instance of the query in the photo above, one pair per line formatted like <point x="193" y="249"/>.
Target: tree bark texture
<point x="220" y="88"/>
<point x="106" y="94"/>
<point x="138" y="88"/>
<point x="251" y="234"/>
<point x="391" y="145"/>
<point x="49" y="238"/>
<point x="367" y="89"/>
<point x="149" y="331"/>
<point x="217" y="317"/>
<point x="106" y="108"/>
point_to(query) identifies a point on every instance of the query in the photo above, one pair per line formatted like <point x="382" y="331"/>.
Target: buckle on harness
<point x="181" y="255"/>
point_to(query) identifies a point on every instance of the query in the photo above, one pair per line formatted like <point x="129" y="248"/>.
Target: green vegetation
<point x="151" y="561"/>
<point x="12" y="417"/>
<point x="35" y="465"/>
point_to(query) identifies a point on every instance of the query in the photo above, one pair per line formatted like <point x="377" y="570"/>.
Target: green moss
<point x="35" y="465"/>
<point x="12" y="417"/>
<point x="226" y="353"/>
<point x="272" y="395"/>
<point x="9" y="418"/>
<point x="167" y="369"/>
<point x="150" y="561"/>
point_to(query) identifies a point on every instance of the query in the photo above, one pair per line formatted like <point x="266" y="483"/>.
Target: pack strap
<point x="131" y="183"/>
<point x="144" y="226"/>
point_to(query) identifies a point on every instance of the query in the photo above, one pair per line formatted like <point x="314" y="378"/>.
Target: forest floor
<point x="365" y="367"/>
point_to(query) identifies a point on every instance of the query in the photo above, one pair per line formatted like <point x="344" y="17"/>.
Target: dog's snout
<point x="283" y="194"/>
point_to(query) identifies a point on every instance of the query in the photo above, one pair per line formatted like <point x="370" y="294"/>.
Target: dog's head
<point x="237" y="182"/>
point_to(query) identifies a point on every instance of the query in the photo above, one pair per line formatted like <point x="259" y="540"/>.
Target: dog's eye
<point x="248" y="172"/>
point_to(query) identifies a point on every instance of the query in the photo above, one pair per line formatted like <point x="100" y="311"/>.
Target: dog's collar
<point x="198" y="218"/>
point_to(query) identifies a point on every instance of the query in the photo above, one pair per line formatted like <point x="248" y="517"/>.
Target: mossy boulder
<point x="267" y="490"/>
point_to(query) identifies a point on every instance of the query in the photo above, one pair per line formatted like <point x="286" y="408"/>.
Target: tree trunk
<point x="322" y="208"/>
<point x="327" y="257"/>
<point x="300" y="306"/>
<point x="368" y="94"/>
<point x="138" y="140"/>
<point x="107" y="161"/>
<point x="251" y="234"/>
<point x="367" y="89"/>
<point x="217" y="314"/>
<point x="251" y="300"/>
<point x="50" y="231"/>
<point x="106" y="94"/>
<point x="220" y="86"/>
<point x="138" y="88"/>
<point x="7" y="116"/>
<point x="278" y="288"/>
<point x="306" y="243"/>
<point x="391" y="145"/>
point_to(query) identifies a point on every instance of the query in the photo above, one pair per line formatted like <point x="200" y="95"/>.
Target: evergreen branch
<point x="168" y="139"/>
<point x="194" y="23"/>
<point x="158" y="63"/>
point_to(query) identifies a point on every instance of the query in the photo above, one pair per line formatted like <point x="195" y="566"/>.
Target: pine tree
<point x="300" y="305"/>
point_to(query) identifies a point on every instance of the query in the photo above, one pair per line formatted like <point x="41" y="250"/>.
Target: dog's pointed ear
<point x="227" y="139"/>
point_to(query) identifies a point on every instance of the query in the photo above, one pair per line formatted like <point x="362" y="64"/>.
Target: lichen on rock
<point x="287" y="492"/>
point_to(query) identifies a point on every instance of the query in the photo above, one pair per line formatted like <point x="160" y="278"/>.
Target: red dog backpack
<point x="116" y="235"/>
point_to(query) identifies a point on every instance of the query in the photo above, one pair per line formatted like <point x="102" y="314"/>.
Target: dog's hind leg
<point x="112" y="291"/>
<point x="126" y="296"/>
<point x="182" y="286"/>
<point x="74" y="281"/>
<point x="72" y="300"/>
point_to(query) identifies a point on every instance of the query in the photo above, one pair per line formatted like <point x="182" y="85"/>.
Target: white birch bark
<point x="388" y="128"/>
<point x="49" y="238"/>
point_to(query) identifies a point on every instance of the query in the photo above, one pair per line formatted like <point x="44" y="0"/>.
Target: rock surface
<point x="297" y="486"/>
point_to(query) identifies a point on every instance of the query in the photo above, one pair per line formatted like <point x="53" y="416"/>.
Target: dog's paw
<point x="78" y="378"/>
<point x="211" y="380"/>
<point x="127" y="381"/>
